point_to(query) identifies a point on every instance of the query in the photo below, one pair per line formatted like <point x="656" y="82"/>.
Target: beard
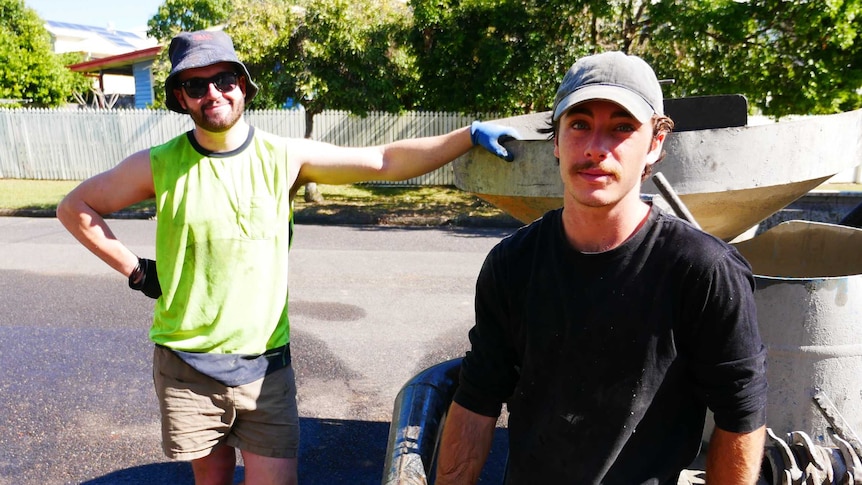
<point x="218" y="123"/>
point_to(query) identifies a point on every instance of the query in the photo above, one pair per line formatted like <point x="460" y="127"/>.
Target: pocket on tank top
<point x="257" y="218"/>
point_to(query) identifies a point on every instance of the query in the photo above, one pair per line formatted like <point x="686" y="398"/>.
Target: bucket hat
<point x="202" y="48"/>
<point x="613" y="76"/>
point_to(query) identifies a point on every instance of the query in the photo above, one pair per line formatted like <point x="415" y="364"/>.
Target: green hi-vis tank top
<point x="222" y="238"/>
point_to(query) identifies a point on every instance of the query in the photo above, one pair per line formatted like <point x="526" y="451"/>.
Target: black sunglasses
<point x="197" y="87"/>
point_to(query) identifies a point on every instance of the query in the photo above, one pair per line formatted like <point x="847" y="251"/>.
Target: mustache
<point x="589" y="165"/>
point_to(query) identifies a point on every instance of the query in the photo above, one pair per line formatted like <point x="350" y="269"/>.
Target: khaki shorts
<point x="200" y="413"/>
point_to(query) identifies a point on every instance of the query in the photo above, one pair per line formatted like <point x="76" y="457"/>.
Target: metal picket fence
<point x="57" y="144"/>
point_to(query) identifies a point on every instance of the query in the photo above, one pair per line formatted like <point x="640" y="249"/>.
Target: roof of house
<point x="119" y="64"/>
<point x="95" y="42"/>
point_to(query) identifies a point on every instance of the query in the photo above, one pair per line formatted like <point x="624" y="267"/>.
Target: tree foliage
<point x="327" y="54"/>
<point x="786" y="57"/>
<point x="175" y="16"/>
<point x="29" y="70"/>
<point x="507" y="56"/>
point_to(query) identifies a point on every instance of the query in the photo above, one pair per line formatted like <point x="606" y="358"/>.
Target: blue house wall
<point x="142" y="71"/>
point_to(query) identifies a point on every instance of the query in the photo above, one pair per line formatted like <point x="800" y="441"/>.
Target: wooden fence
<point x="47" y="144"/>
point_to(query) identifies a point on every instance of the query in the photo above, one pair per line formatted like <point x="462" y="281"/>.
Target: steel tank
<point x="809" y="306"/>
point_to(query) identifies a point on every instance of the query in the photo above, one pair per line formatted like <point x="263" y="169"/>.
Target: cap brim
<point x="628" y="100"/>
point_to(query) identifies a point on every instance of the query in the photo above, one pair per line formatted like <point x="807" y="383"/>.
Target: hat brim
<point x="628" y="100"/>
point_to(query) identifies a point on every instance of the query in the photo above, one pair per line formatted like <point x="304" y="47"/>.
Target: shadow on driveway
<point x="332" y="452"/>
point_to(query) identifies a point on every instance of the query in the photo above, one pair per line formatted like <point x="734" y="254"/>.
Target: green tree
<point x="327" y="54"/>
<point x="506" y="56"/>
<point x="80" y="84"/>
<point x="785" y="57"/>
<point x="29" y="71"/>
<point x="175" y="16"/>
<point x="499" y="56"/>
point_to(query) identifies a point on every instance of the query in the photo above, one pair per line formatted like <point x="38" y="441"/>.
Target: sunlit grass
<point x="20" y="194"/>
<point x="390" y="203"/>
<point x="396" y="201"/>
<point x="33" y="194"/>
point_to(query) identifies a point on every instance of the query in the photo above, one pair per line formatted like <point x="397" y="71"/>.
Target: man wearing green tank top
<point x="223" y="192"/>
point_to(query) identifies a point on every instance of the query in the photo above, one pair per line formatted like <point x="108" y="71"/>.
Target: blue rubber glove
<point x="491" y="135"/>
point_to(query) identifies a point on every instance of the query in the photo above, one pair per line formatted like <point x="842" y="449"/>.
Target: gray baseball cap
<point x="613" y="76"/>
<point x="203" y="48"/>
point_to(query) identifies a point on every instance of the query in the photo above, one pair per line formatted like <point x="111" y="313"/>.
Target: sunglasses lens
<point x="225" y="82"/>
<point x="198" y="87"/>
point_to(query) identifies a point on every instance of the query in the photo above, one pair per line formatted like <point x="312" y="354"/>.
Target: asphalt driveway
<point x="370" y="307"/>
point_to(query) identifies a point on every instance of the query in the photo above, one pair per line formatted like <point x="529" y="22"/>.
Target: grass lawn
<point x="378" y="203"/>
<point x="33" y="194"/>
<point x="393" y="203"/>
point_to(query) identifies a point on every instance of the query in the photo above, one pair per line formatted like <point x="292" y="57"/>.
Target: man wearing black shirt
<point x="608" y="326"/>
